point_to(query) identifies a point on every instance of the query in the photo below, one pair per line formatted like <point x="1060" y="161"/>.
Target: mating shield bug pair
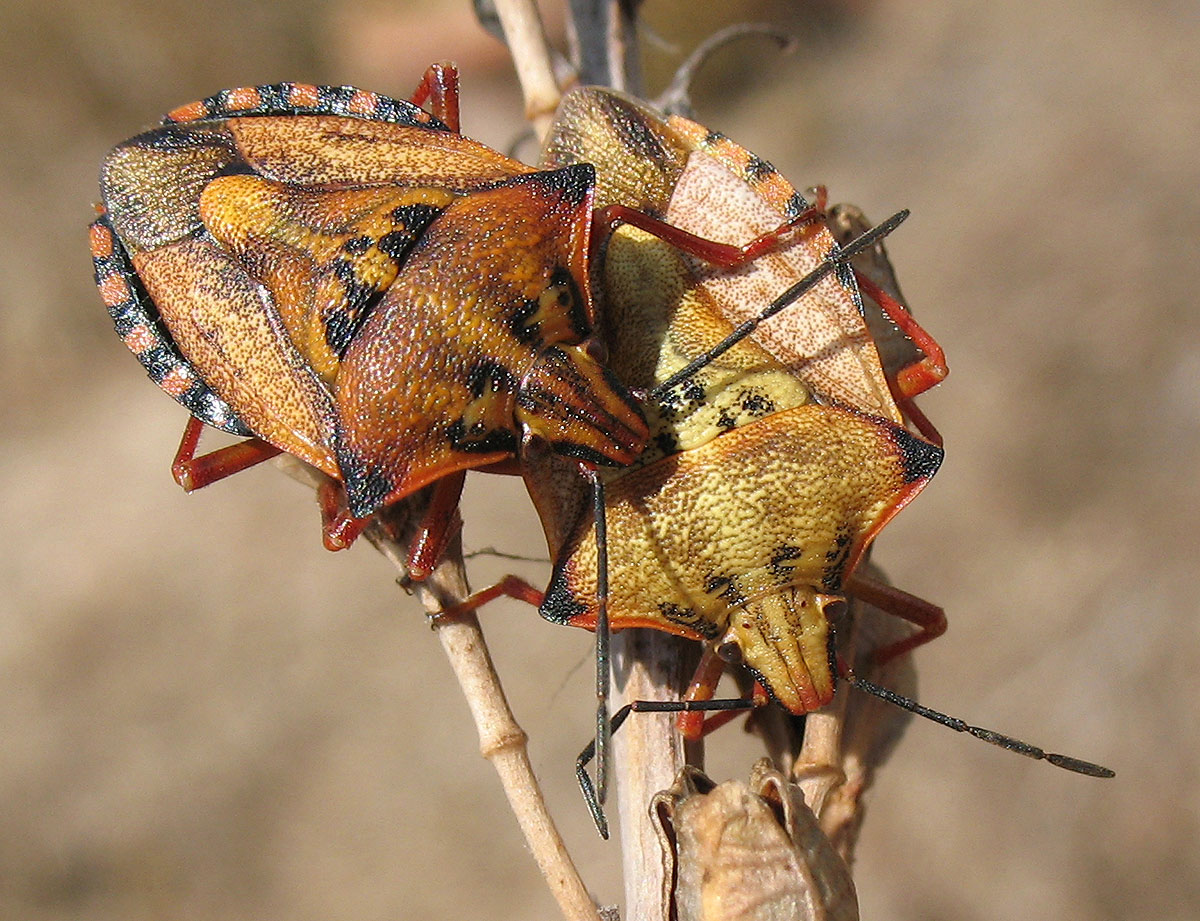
<point x="348" y="279"/>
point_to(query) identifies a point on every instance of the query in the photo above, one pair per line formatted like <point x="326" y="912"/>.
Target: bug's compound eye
<point x="597" y="351"/>
<point x="730" y="650"/>
<point x="834" y="607"/>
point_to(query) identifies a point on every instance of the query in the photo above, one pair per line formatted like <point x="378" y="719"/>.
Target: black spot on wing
<point x="636" y="136"/>
<point x="667" y="442"/>
<point x="781" y="558"/>
<point x="410" y="222"/>
<point x="575" y="182"/>
<point x="795" y="206"/>
<point x="342" y="323"/>
<point x="835" y="562"/>
<point x="725" y="587"/>
<point x="357" y="246"/>
<point x="689" y="618"/>
<point x="757" y="404"/>
<point x="757" y="168"/>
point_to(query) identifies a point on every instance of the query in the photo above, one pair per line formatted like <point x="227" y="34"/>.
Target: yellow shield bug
<point x="777" y="450"/>
<point x="772" y="466"/>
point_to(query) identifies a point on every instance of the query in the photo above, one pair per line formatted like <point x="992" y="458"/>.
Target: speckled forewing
<point x="896" y="350"/>
<point x="137" y="321"/>
<point x="332" y="151"/>
<point x="217" y="317"/>
<point x="823" y="337"/>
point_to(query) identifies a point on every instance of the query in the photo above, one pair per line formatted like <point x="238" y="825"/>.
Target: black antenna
<point x="603" y="729"/>
<point x="835" y="260"/>
<point x="1066" y="762"/>
<point x="594" y="804"/>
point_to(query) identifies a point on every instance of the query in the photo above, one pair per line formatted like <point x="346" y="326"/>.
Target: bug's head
<point x="785" y="639"/>
<point x="576" y="406"/>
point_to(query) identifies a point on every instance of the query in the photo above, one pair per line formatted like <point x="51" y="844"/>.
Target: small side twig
<point x="501" y="740"/>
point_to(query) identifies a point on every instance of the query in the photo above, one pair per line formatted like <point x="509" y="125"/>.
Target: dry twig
<point x="501" y="739"/>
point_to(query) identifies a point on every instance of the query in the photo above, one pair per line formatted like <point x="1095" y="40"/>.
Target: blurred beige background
<point x="206" y="716"/>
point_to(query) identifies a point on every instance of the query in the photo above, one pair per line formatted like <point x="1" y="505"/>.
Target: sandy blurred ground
<point x="206" y="716"/>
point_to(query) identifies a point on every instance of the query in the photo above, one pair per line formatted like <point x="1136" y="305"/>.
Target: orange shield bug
<point x="352" y="281"/>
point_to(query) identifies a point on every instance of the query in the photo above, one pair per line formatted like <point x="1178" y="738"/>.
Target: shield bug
<point x="350" y="280"/>
<point x="777" y="450"/>
<point x="793" y="434"/>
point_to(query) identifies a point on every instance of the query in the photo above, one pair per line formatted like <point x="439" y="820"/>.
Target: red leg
<point x="508" y="587"/>
<point x="439" y="524"/>
<point x="929" y="617"/>
<point x="725" y="255"/>
<point x="692" y="724"/>
<point x="192" y="472"/>
<point x="439" y="87"/>
<point x="929" y="371"/>
<point x="339" y="529"/>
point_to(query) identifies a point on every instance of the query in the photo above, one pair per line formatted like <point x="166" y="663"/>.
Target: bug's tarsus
<point x="836" y="260"/>
<point x="594" y="804"/>
<point x="1066" y="762"/>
